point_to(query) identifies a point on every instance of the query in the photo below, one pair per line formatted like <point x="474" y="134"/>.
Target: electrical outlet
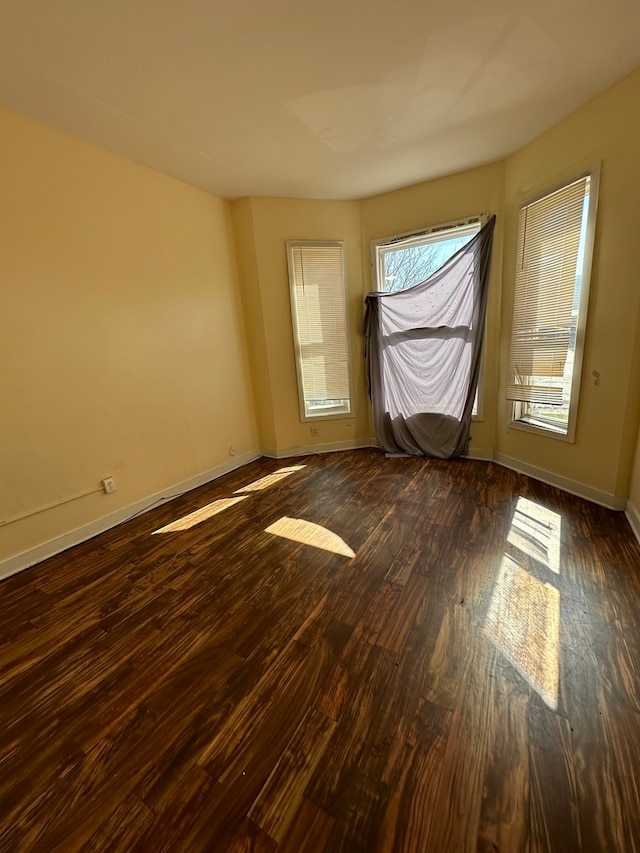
<point x="315" y="430"/>
<point x="109" y="485"/>
<point x="233" y="450"/>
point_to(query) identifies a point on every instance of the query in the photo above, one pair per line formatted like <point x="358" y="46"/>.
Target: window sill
<point x="329" y="415"/>
<point x="542" y="428"/>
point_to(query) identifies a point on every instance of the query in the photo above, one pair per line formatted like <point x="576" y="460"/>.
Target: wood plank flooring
<point x="468" y="680"/>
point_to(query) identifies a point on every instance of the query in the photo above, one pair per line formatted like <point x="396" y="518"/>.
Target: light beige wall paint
<point x="276" y="220"/>
<point x="607" y="129"/>
<point x="466" y="194"/>
<point x="249" y="276"/>
<point x="634" y="484"/>
<point x="634" y="489"/>
<point x="122" y="348"/>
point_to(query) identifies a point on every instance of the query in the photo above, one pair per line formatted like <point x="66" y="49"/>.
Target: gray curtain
<point x="423" y="348"/>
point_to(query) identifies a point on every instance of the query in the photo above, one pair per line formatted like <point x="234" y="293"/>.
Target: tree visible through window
<point x="404" y="261"/>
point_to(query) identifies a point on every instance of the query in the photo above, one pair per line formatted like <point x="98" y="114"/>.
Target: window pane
<point x="402" y="262"/>
<point x="553" y="258"/>
<point x="318" y="302"/>
<point x="405" y="262"/>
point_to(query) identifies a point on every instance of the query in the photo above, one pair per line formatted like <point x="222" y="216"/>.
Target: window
<point x="319" y="311"/>
<point x="554" y="250"/>
<point x="400" y="262"/>
<point x="407" y="259"/>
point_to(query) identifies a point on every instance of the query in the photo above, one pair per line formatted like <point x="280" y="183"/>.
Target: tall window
<point x="554" y="250"/>
<point x="407" y="259"/>
<point x="319" y="311"/>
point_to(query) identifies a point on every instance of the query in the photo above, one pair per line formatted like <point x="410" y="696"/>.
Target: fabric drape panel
<point x="423" y="348"/>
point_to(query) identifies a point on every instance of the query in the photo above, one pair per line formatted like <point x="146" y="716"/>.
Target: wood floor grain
<point x="337" y="653"/>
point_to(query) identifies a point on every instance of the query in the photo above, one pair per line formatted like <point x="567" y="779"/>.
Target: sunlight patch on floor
<point x="308" y="533"/>
<point x="523" y="620"/>
<point x="270" y="479"/>
<point x="200" y="515"/>
<point x="535" y="530"/>
<point x="524" y="624"/>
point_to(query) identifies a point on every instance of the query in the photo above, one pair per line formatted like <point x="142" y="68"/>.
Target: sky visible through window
<point x="411" y="261"/>
<point x="409" y="265"/>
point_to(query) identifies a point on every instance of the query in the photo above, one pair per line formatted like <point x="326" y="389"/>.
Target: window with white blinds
<point x="554" y="248"/>
<point x="320" y="328"/>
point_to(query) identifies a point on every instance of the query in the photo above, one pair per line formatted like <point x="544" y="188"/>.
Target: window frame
<point x="517" y="409"/>
<point x="419" y="236"/>
<point x="330" y="412"/>
<point x="443" y="231"/>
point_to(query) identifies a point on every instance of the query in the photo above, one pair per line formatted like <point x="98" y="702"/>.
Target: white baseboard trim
<point x="581" y="490"/>
<point x="633" y="517"/>
<point x="311" y="449"/>
<point x="480" y="455"/>
<point x="18" y="562"/>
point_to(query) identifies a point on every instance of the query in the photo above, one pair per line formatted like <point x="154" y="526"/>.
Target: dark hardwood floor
<point x="451" y="664"/>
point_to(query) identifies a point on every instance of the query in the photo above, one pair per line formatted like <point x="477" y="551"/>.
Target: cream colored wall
<point x="634" y="484"/>
<point x="249" y="277"/>
<point x="122" y="347"/>
<point x="634" y="489"/>
<point x="607" y="129"/>
<point x="266" y="224"/>
<point x="465" y="194"/>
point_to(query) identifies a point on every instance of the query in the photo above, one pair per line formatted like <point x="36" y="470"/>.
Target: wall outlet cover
<point x="109" y="485"/>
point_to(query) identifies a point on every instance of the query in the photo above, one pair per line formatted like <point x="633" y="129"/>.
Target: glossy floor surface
<point x="340" y="653"/>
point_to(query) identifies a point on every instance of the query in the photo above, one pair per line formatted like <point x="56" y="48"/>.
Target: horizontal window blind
<point x="320" y="325"/>
<point x="544" y="316"/>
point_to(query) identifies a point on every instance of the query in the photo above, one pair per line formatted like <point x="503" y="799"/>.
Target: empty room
<point x="319" y="427"/>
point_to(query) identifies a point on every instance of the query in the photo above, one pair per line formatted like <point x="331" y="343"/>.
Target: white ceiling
<point x="333" y="99"/>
